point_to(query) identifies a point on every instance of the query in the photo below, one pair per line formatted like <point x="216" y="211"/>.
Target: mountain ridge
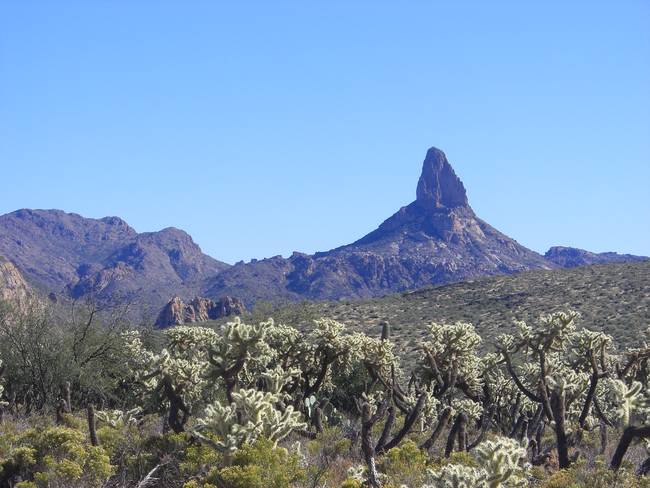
<point x="436" y="239"/>
<point x="77" y="257"/>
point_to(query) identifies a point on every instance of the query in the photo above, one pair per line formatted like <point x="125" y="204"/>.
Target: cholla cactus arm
<point x="119" y="418"/>
<point x="450" y="357"/>
<point x="409" y="421"/>
<point x="251" y="415"/>
<point x="457" y="476"/>
<point x="177" y="373"/>
<point x="591" y="350"/>
<point x="635" y="358"/>
<point x="229" y="354"/>
<point x="502" y="464"/>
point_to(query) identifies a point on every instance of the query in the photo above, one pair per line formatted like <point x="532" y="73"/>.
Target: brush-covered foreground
<point x="88" y="400"/>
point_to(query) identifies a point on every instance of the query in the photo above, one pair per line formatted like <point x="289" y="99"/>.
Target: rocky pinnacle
<point x="438" y="185"/>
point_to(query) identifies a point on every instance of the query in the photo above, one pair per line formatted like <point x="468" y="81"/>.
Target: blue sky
<point x="267" y="127"/>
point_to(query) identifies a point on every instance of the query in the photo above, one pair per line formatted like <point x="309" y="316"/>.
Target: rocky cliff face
<point x="13" y="288"/>
<point x="177" y="312"/>
<point x="571" y="257"/>
<point x="105" y="258"/>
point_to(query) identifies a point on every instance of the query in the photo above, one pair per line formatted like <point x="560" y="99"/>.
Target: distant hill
<point x="570" y="257"/>
<point x="76" y="257"/>
<point x="614" y="298"/>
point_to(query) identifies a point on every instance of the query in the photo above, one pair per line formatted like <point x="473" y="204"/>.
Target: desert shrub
<point x="405" y="464"/>
<point x="351" y="483"/>
<point x="256" y="465"/>
<point x="323" y="455"/>
<point x="598" y="475"/>
<point x="56" y="457"/>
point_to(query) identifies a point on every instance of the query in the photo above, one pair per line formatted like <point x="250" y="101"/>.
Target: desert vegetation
<point x="89" y="399"/>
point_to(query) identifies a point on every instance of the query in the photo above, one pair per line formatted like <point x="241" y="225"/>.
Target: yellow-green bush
<point x="56" y="456"/>
<point x="258" y="465"/>
<point x="595" y="476"/>
<point x="350" y="483"/>
<point x="405" y="464"/>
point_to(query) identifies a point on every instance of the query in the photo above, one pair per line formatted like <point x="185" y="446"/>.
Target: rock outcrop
<point x="13" y="287"/>
<point x="438" y="185"/>
<point x="571" y="257"/>
<point x="177" y="312"/>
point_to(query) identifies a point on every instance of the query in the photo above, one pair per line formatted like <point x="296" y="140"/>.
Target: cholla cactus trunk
<point x="90" y="414"/>
<point x="443" y="421"/>
<point x="368" y="420"/>
<point x="559" y="416"/>
<point x="388" y="426"/>
<point x="176" y="406"/>
<point x="67" y="390"/>
<point x="455" y="434"/>
<point x="629" y="434"/>
<point x="603" y="436"/>
<point x="409" y="421"/>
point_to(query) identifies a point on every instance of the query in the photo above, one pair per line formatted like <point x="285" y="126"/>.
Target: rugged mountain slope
<point x="436" y="239"/>
<point x="570" y="257"/>
<point x="76" y="256"/>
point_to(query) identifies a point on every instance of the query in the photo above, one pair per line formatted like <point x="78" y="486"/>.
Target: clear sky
<point x="267" y="127"/>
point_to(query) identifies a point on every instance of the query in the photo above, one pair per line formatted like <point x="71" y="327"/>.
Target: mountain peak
<point x="438" y="185"/>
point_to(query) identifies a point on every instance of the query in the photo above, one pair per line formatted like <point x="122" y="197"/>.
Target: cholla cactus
<point x="450" y="356"/>
<point x="628" y="399"/>
<point x="457" y="476"/>
<point x="471" y="409"/>
<point x="240" y="351"/>
<point x="547" y="377"/>
<point x="252" y="414"/>
<point x="177" y="374"/>
<point x="504" y="461"/>
<point x="502" y="464"/>
<point x="119" y="418"/>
